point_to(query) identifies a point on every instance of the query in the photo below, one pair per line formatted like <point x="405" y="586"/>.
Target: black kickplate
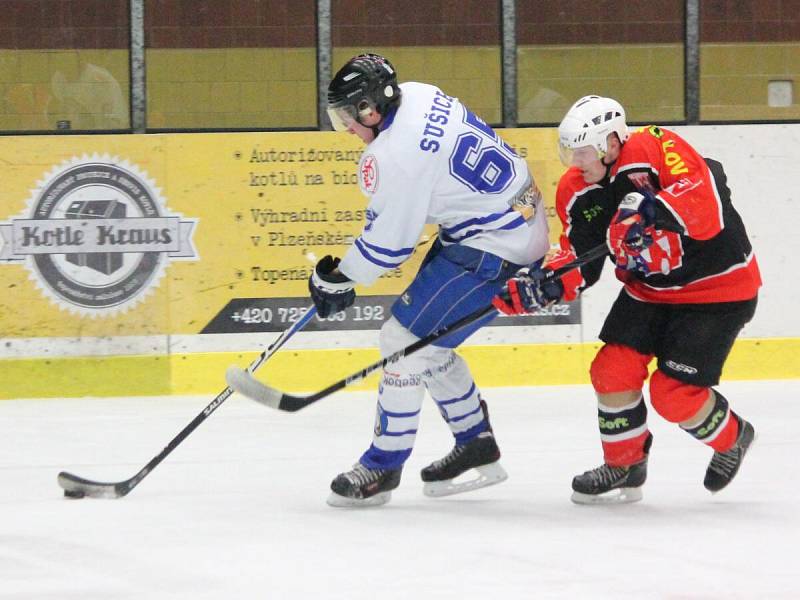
<point x="254" y="315"/>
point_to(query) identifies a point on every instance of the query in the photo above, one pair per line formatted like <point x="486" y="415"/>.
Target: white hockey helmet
<point x="588" y="123"/>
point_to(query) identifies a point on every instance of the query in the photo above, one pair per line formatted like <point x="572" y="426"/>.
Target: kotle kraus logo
<point x="97" y="236"/>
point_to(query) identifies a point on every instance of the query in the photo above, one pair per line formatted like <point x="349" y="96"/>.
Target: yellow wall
<point x="312" y="370"/>
<point x="471" y="73"/>
<point x="734" y="80"/>
<point x="89" y="88"/>
<point x="232" y="87"/>
<point x="276" y="87"/>
<point x="647" y="80"/>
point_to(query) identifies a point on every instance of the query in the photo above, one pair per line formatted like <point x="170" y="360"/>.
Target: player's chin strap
<point x="243" y="382"/>
<point x="386" y="120"/>
<point x="608" y="169"/>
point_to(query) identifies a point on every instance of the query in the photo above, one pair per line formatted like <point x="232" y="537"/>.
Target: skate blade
<point x="618" y="496"/>
<point x="338" y="501"/>
<point x="490" y="474"/>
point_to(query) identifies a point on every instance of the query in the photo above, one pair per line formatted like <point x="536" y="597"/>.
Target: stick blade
<point x="243" y="382"/>
<point x="78" y="487"/>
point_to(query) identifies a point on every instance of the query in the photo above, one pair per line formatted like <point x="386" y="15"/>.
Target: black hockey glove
<point x="331" y="292"/>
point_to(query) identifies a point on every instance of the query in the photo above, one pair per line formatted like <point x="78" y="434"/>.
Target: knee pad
<point x="675" y="400"/>
<point x="394" y="337"/>
<point x="618" y="368"/>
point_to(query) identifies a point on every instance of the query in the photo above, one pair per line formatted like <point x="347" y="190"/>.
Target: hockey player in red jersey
<point x="690" y="284"/>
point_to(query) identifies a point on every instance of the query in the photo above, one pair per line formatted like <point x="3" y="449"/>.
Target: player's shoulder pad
<point x="642" y="136"/>
<point x="642" y="148"/>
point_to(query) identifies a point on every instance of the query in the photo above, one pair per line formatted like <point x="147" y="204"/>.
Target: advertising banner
<point x="195" y="233"/>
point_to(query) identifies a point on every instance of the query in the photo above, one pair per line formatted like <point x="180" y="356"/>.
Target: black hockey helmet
<point x="367" y="82"/>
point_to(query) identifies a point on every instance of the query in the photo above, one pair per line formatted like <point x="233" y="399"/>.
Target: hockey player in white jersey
<point x="428" y="160"/>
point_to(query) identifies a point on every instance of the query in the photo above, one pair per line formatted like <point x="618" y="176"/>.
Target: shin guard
<point x="453" y="389"/>
<point x="720" y="428"/>
<point x="623" y="433"/>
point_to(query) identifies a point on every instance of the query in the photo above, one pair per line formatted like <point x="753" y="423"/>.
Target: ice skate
<point x="480" y="454"/>
<point x="612" y="485"/>
<point x="363" y="487"/>
<point x="724" y="465"/>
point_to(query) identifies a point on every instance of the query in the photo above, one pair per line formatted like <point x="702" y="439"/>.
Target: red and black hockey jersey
<point x="585" y="211"/>
<point x="715" y="261"/>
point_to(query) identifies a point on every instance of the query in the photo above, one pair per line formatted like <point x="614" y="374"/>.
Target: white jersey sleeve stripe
<point x="477" y="221"/>
<point x="518" y="221"/>
<point x="387" y="251"/>
<point x="359" y="244"/>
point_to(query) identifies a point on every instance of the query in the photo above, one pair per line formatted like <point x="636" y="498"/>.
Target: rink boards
<point x="311" y="370"/>
<point x="139" y="265"/>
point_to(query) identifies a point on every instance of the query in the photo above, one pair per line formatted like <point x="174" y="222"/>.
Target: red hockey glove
<point x="631" y="231"/>
<point x="635" y="242"/>
<point x="571" y="280"/>
<point x="528" y="291"/>
<point x="534" y="288"/>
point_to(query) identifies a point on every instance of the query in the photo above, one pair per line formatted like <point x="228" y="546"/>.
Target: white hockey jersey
<point x="436" y="162"/>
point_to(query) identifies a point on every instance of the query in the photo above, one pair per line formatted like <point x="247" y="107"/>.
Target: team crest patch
<point x="368" y="174"/>
<point x="96" y="236"/>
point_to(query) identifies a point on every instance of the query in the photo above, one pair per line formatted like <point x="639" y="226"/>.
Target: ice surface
<point x="238" y="510"/>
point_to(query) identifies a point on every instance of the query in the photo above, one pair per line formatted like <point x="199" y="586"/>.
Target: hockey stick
<point x="78" y="487"/>
<point x="244" y="383"/>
